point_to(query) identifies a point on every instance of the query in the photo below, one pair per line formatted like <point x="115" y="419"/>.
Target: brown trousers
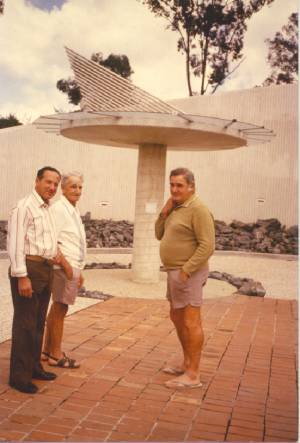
<point x="29" y="321"/>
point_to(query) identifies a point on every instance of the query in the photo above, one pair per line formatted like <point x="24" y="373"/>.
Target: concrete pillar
<point x="149" y="201"/>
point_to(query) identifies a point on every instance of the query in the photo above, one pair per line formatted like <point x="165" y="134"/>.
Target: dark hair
<point x="187" y="174"/>
<point x="40" y="173"/>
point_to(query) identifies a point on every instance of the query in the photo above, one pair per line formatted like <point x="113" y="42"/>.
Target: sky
<point x="33" y="34"/>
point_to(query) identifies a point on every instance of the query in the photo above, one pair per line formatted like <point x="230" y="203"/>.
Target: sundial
<point x="116" y="113"/>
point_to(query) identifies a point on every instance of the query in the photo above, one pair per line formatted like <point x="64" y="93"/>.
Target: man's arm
<point x="17" y="227"/>
<point x="160" y="222"/>
<point x="60" y="221"/>
<point x="61" y="260"/>
<point x="203" y="225"/>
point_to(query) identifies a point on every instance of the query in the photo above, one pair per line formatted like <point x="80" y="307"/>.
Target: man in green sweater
<point x="185" y="228"/>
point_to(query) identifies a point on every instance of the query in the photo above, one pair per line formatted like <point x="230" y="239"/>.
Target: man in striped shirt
<point x="32" y="249"/>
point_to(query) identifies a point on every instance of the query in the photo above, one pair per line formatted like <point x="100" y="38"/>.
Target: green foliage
<point x="70" y="87"/>
<point x="211" y="35"/>
<point x="11" y="120"/>
<point x="119" y="64"/>
<point x="283" y="54"/>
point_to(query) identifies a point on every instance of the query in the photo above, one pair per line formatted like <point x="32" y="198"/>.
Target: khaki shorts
<point x="64" y="290"/>
<point x="180" y="294"/>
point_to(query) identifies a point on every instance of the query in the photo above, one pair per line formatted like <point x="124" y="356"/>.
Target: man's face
<point x="180" y="190"/>
<point x="46" y="186"/>
<point x="72" y="189"/>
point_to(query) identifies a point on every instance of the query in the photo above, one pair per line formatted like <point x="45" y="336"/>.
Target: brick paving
<point x="249" y="374"/>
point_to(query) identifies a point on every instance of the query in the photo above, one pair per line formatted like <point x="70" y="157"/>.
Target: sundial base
<point x="149" y="201"/>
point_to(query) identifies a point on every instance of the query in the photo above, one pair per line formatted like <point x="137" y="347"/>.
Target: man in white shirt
<point x="31" y="246"/>
<point x="72" y="243"/>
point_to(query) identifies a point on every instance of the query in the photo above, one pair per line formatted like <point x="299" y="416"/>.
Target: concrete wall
<point x="234" y="182"/>
<point x="258" y="181"/>
<point x="109" y="173"/>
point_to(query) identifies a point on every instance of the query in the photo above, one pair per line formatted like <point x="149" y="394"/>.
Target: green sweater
<point x="187" y="236"/>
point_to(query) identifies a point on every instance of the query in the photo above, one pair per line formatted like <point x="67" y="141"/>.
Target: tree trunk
<point x="204" y="66"/>
<point x="187" y="65"/>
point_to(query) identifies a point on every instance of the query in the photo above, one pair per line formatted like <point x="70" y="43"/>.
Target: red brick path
<point x="248" y="369"/>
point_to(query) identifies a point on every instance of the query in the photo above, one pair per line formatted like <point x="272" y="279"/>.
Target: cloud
<point x="32" y="44"/>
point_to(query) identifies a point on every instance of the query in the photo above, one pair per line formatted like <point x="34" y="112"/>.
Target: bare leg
<point x="54" y="329"/>
<point x="177" y="317"/>
<point x="192" y="342"/>
<point x="194" y="339"/>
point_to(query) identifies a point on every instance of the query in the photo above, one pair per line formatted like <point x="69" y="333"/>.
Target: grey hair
<point x="187" y="174"/>
<point x="65" y="177"/>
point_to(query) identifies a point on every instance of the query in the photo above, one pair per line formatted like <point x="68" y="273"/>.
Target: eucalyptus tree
<point x="210" y="35"/>
<point x="283" y="54"/>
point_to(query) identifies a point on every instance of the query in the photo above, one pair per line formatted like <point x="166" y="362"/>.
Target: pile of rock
<point x="112" y="265"/>
<point x="99" y="295"/>
<point x="108" y="233"/>
<point x="263" y="236"/>
<point x="245" y="286"/>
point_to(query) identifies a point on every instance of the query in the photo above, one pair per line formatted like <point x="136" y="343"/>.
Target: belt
<point x="39" y="259"/>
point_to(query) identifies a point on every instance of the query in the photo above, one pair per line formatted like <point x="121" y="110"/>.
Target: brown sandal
<point x="45" y="356"/>
<point x="64" y="362"/>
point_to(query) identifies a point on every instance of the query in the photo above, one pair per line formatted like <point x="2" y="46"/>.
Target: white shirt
<point x="70" y="232"/>
<point x="31" y="231"/>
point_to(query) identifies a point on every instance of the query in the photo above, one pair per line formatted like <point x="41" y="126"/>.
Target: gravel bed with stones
<point x="246" y="286"/>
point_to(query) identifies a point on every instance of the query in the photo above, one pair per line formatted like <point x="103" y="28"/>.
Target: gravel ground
<point x="279" y="276"/>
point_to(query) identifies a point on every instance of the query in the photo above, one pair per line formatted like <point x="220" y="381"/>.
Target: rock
<point x="252" y="288"/>
<point x="82" y="292"/>
<point x="292" y="231"/>
<point x="270" y="224"/>
<point x="86" y="217"/>
<point x="246" y="286"/>
<point x="108" y="233"/>
<point x="112" y="265"/>
<point x="216" y="275"/>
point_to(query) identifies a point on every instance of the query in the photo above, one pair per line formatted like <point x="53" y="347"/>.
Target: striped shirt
<point x="31" y="231"/>
<point x="70" y="232"/>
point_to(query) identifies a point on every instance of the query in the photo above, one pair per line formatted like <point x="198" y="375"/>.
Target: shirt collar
<point x="188" y="201"/>
<point x="72" y="209"/>
<point x="41" y="203"/>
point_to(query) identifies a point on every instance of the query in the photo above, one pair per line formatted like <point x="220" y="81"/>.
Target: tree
<point x="116" y="63"/>
<point x="211" y="35"/>
<point x="11" y="120"/>
<point x="283" y="54"/>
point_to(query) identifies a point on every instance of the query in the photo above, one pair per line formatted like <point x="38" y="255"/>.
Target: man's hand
<point x="183" y="276"/>
<point x="168" y="207"/>
<point x="57" y="259"/>
<point x="66" y="267"/>
<point x="61" y="261"/>
<point x="80" y="281"/>
<point x="24" y="287"/>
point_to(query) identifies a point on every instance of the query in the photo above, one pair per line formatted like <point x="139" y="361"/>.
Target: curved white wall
<point x="233" y="182"/>
<point x="230" y="182"/>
